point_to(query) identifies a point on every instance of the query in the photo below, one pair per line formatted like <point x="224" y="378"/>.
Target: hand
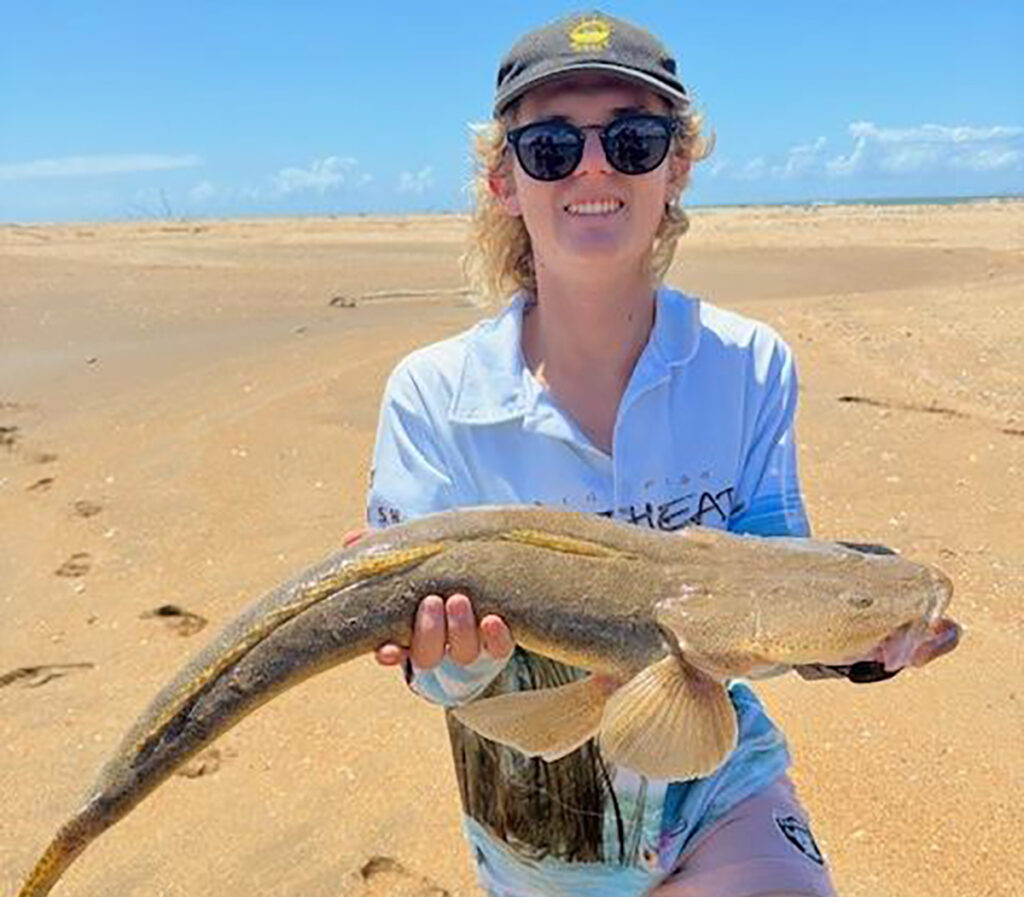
<point x="899" y="650"/>
<point x="443" y="624"/>
<point x="449" y="625"/>
<point x="353" y="536"/>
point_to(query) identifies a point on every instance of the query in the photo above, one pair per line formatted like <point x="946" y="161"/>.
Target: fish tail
<point x="71" y="839"/>
<point x="325" y="618"/>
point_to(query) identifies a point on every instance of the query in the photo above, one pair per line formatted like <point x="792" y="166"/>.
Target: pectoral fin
<point x="670" y="721"/>
<point x="546" y="722"/>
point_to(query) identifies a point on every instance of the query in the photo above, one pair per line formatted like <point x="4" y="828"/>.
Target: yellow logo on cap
<point x="590" y="34"/>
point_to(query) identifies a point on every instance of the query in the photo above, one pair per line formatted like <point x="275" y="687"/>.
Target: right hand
<point x="449" y="625"/>
<point x="445" y="626"/>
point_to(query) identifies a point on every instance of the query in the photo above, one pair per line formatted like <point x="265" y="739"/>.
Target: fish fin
<point x="545" y="722"/>
<point x="564" y="544"/>
<point x="670" y="721"/>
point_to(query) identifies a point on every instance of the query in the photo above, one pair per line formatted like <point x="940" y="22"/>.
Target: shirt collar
<point x="495" y="384"/>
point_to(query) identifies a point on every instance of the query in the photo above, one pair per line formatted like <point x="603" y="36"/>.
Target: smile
<point x="595" y="207"/>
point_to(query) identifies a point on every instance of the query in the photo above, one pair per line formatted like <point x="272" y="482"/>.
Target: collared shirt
<point x="703" y="436"/>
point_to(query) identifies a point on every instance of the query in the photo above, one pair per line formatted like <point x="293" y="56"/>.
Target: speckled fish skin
<point x="600" y="595"/>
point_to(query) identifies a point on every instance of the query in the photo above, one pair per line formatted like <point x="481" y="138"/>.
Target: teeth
<point x="596" y="207"/>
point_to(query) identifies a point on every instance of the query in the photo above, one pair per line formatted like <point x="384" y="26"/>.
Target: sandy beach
<point x="186" y="415"/>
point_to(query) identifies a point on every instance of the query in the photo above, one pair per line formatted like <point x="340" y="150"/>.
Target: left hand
<point x="899" y="650"/>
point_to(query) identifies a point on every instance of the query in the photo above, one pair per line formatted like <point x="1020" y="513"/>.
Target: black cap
<point x="587" y="42"/>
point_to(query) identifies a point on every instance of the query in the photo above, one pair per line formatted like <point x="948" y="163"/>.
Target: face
<point x="596" y="215"/>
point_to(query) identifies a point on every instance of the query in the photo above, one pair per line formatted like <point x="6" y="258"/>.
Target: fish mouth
<point x="942" y="594"/>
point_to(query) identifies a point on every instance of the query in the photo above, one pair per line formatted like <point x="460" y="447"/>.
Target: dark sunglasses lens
<point x="549" y="151"/>
<point x="637" y="145"/>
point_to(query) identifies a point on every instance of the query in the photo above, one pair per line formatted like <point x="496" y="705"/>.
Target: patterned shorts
<point x="763" y="845"/>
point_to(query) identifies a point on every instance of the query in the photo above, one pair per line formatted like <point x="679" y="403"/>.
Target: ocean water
<point x="864" y="201"/>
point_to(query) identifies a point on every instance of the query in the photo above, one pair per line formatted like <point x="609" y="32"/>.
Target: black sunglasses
<point x="633" y="144"/>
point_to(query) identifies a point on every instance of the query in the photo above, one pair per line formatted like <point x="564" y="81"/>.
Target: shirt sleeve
<point x="409" y="478"/>
<point x="408" y="474"/>
<point x="769" y="499"/>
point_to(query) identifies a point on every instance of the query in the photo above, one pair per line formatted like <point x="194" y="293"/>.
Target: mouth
<point x="595" y="207"/>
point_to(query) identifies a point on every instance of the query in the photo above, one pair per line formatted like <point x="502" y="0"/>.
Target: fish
<point x="662" y="621"/>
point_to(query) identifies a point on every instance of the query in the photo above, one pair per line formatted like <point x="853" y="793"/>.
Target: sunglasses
<point x="633" y="144"/>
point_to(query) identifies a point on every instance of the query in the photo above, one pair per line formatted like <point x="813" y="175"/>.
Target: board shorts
<point x="763" y="845"/>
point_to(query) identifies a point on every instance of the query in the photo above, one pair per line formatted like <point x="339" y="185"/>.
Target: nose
<point x="594" y="160"/>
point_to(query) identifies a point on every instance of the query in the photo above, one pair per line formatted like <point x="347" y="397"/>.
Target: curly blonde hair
<point x="499" y="258"/>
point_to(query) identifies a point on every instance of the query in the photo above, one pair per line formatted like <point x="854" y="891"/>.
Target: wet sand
<point x="186" y="419"/>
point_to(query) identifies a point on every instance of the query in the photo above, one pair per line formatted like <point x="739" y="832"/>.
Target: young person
<point x="596" y="388"/>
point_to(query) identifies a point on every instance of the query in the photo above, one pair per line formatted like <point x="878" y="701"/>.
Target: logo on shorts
<point x="799" y="835"/>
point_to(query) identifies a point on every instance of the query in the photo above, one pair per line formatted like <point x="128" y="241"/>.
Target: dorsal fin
<point x="564" y="544"/>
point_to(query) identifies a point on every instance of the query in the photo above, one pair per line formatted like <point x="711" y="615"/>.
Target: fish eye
<point x="859" y="601"/>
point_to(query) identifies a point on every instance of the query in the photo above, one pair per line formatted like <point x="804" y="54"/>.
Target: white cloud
<point x="754" y="170"/>
<point x="325" y="174"/>
<point x="800" y="159"/>
<point x="920" y="151"/>
<point x="418" y="183"/>
<point x="92" y="166"/>
<point x="990" y="159"/>
<point x="719" y="166"/>
<point x="202" y="192"/>
<point x="841" y="166"/>
<point x="929" y="149"/>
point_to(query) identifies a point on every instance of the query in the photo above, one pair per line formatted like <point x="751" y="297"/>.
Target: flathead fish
<point x="671" y="616"/>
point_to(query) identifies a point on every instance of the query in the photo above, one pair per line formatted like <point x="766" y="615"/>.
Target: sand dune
<point x="186" y="414"/>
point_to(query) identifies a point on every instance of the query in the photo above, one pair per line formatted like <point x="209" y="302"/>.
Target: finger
<point x="944" y="639"/>
<point x="391" y="655"/>
<point x="353" y="536"/>
<point x="428" y="634"/>
<point x="463" y="643"/>
<point x="495" y="637"/>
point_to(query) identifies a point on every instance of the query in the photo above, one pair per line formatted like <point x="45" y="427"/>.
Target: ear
<point x="503" y="188"/>
<point x="678" y="172"/>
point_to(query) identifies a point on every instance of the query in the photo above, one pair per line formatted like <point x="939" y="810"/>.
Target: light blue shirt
<point x="703" y="435"/>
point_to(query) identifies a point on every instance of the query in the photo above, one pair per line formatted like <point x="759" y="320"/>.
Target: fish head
<point x="782" y="602"/>
<point x="870" y="599"/>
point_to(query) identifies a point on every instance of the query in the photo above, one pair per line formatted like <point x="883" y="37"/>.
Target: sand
<point x="186" y="418"/>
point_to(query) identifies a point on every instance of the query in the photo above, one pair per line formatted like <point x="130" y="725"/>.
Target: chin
<point x="601" y="247"/>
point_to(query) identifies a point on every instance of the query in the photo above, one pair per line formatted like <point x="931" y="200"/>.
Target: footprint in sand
<point x="85" y="508"/>
<point x="206" y="763"/>
<point x="41" y="485"/>
<point x="9" y="436"/>
<point x="33" y="677"/>
<point x="386" y="875"/>
<point x="179" y="620"/>
<point x="77" y="565"/>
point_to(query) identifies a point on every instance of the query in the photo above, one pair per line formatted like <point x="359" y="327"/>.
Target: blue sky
<point x="148" y="110"/>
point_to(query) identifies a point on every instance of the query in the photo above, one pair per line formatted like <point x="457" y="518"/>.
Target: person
<point x="596" y="388"/>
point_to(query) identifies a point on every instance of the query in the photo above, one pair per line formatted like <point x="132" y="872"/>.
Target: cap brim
<point x="676" y="96"/>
